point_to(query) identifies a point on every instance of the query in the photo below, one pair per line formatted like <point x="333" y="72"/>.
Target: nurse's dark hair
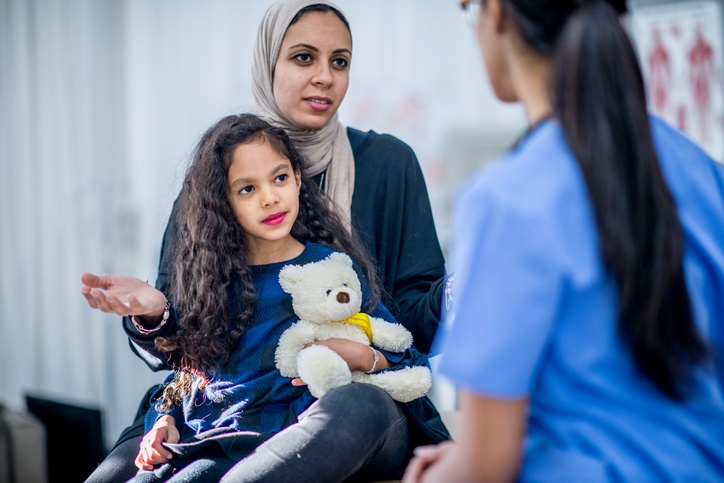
<point x="323" y="8"/>
<point x="210" y="279"/>
<point x="599" y="98"/>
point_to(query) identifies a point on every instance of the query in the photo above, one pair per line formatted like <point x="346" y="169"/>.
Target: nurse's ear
<point x="495" y="13"/>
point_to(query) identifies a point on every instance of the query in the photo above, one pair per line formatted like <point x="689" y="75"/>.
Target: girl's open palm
<point x="122" y="295"/>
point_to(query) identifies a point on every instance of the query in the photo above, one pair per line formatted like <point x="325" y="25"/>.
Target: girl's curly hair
<point x="210" y="260"/>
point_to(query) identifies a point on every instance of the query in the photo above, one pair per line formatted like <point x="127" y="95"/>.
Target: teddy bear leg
<point x="404" y="385"/>
<point x="322" y="369"/>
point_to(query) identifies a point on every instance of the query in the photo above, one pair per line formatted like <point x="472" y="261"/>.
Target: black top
<point x="391" y="213"/>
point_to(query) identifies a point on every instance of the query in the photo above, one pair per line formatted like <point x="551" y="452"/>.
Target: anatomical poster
<point x="680" y="47"/>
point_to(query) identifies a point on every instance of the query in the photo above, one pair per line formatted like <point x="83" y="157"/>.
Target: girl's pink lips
<point x="274" y="219"/>
<point x="318" y="103"/>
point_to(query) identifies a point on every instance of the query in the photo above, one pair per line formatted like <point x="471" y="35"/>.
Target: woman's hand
<point x="425" y="458"/>
<point x="359" y="357"/>
<point x="152" y="451"/>
<point x="122" y="295"/>
<point x="488" y="447"/>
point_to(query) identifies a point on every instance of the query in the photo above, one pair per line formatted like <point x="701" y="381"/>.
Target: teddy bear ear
<point x="289" y="276"/>
<point x="341" y="258"/>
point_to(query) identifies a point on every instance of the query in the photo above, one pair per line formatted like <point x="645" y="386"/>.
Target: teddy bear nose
<point x="343" y="297"/>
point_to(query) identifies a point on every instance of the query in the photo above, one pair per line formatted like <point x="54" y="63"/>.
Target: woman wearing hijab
<point x="375" y="180"/>
<point x="301" y="67"/>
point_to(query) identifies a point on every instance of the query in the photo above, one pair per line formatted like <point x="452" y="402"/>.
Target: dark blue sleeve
<point x="176" y="411"/>
<point x="143" y="345"/>
<point x="398" y="360"/>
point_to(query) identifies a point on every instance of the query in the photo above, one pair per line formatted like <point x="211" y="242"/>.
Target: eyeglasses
<point x="471" y="10"/>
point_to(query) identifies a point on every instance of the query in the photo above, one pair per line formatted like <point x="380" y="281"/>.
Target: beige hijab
<point x="325" y="149"/>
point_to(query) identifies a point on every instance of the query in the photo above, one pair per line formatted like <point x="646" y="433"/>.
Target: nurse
<point x="588" y="335"/>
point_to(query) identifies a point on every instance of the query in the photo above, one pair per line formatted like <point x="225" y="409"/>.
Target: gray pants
<point x="355" y="433"/>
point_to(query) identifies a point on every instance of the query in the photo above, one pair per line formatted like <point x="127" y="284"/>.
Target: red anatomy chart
<point x="681" y="48"/>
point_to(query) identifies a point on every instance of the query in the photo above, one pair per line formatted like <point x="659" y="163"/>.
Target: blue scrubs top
<point x="535" y="317"/>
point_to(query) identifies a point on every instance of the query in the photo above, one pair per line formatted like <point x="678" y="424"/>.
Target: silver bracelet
<point x="374" y="364"/>
<point x="449" y="291"/>
<point x="166" y="314"/>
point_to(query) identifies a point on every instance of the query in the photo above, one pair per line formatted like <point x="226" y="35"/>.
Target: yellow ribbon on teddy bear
<point x="362" y="320"/>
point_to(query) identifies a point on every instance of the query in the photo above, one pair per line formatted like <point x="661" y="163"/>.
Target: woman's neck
<point x="266" y="252"/>
<point x="530" y="74"/>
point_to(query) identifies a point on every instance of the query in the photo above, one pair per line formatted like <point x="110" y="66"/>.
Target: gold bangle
<point x="374" y="364"/>
<point x="166" y="314"/>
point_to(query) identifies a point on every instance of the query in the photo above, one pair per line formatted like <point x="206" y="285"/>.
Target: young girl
<point x="588" y="332"/>
<point x="246" y="211"/>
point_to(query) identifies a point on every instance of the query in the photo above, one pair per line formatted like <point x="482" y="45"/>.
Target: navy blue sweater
<point x="249" y="393"/>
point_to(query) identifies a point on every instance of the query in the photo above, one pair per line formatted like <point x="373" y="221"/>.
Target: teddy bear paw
<point x="322" y="370"/>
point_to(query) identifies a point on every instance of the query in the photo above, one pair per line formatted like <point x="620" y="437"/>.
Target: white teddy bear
<point x="326" y="296"/>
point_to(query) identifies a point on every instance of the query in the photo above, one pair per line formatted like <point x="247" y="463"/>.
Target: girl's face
<point x="264" y="194"/>
<point x="312" y="71"/>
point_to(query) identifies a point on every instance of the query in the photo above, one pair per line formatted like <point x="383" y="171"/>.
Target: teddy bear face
<point x="336" y="304"/>
<point x="324" y="291"/>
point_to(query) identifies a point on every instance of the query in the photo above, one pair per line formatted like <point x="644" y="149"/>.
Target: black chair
<point x="75" y="444"/>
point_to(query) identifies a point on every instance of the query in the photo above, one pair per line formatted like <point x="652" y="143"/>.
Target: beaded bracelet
<point x="374" y="364"/>
<point x="166" y="314"/>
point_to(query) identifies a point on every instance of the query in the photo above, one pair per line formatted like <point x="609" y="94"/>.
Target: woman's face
<point x="488" y="31"/>
<point x="312" y="71"/>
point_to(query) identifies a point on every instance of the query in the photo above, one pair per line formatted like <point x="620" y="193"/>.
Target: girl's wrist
<point x="165" y="420"/>
<point x="150" y="323"/>
<point x="374" y="361"/>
